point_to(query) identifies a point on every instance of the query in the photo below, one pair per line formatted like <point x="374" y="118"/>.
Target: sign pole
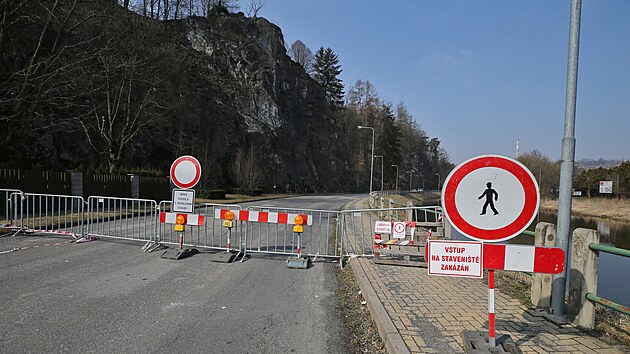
<point x="491" y="331"/>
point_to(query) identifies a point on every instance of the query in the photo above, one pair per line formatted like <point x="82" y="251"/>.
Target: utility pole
<point x="396" y="177"/>
<point x="381" y="157"/>
<point x="568" y="157"/>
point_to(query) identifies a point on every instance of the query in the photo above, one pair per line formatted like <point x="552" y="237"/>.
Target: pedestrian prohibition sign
<point x="185" y="172"/>
<point x="490" y="198"/>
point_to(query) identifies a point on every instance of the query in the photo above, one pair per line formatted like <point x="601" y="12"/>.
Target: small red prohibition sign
<point x="188" y="171"/>
<point x="506" y="232"/>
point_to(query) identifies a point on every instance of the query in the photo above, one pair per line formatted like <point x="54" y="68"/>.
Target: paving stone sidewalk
<point x="419" y="313"/>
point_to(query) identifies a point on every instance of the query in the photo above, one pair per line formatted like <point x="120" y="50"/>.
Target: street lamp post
<point x="381" y="172"/>
<point x="439" y="180"/>
<point x="396" y="177"/>
<point x="372" y="163"/>
<point x="410" y="179"/>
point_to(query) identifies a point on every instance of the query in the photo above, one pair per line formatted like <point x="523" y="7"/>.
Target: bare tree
<point x="302" y="55"/>
<point x="124" y="86"/>
<point x="254" y="7"/>
<point x="41" y="65"/>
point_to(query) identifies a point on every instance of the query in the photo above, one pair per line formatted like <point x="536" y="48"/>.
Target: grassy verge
<point x="362" y="332"/>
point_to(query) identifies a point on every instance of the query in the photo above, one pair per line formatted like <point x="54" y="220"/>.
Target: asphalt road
<point x="107" y="296"/>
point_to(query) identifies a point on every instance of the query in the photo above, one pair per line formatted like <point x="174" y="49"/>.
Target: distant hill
<point x="590" y="164"/>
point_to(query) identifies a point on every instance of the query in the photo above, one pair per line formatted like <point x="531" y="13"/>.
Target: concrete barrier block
<point x="542" y="283"/>
<point x="583" y="278"/>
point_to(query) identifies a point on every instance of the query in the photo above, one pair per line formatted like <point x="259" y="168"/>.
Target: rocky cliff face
<point x="253" y="109"/>
<point x="221" y="88"/>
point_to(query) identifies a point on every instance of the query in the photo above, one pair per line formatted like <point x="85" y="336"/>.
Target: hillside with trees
<point x="131" y="85"/>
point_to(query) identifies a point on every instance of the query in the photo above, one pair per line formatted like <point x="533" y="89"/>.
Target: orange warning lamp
<point x="229" y="216"/>
<point x="180" y="221"/>
<point x="299" y="221"/>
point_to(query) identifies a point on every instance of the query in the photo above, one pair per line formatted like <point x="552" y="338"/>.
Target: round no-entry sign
<point x="490" y="198"/>
<point x="185" y="172"/>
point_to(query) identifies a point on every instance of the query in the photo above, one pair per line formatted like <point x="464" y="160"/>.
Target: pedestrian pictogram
<point x="490" y="198"/>
<point x="399" y="230"/>
<point x="489" y="194"/>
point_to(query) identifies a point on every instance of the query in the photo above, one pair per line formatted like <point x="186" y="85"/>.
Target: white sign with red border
<point x="185" y="172"/>
<point x="383" y="227"/>
<point x="490" y="198"/>
<point x="183" y="201"/>
<point x="455" y="258"/>
<point x="399" y="230"/>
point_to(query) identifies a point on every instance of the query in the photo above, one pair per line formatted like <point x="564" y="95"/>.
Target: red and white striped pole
<point x="228" y="238"/>
<point x="181" y="240"/>
<point x="298" y="244"/>
<point x="491" y="333"/>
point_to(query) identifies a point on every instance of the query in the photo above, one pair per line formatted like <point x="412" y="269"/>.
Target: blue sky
<point x="481" y="74"/>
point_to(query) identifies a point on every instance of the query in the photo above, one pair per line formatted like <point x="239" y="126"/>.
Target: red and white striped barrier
<point x="191" y="219"/>
<point x="263" y="216"/>
<point x="57" y="232"/>
<point x="523" y="258"/>
<point x="37" y="246"/>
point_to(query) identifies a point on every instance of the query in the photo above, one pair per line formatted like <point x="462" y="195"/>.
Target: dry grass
<point x="415" y="198"/>
<point x="614" y="209"/>
<point x="363" y="336"/>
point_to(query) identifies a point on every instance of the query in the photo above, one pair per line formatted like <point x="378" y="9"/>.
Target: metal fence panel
<point x="48" y="213"/>
<point x="322" y="238"/>
<point x="9" y="207"/>
<point x="358" y="225"/>
<point x="122" y="218"/>
<point x="210" y="235"/>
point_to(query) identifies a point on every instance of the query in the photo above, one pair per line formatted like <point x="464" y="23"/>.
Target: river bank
<point x="604" y="208"/>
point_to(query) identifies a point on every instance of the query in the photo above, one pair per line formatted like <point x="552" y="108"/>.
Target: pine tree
<point x="326" y="70"/>
<point x="389" y="142"/>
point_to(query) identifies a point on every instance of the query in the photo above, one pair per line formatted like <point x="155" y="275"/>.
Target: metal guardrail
<point x="611" y="305"/>
<point x="610" y="249"/>
<point x="600" y="300"/>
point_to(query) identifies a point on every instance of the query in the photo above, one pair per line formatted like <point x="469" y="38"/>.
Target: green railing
<point x="600" y="300"/>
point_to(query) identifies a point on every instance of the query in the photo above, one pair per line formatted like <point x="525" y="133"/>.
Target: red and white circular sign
<point x="490" y="198"/>
<point x="185" y="172"/>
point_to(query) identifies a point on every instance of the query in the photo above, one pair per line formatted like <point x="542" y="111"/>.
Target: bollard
<point x="542" y="283"/>
<point x="583" y="278"/>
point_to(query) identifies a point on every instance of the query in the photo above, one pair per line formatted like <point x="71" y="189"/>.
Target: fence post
<point x="135" y="186"/>
<point x="409" y="211"/>
<point x="583" y="278"/>
<point x="76" y="183"/>
<point x="542" y="283"/>
<point x="446" y="229"/>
